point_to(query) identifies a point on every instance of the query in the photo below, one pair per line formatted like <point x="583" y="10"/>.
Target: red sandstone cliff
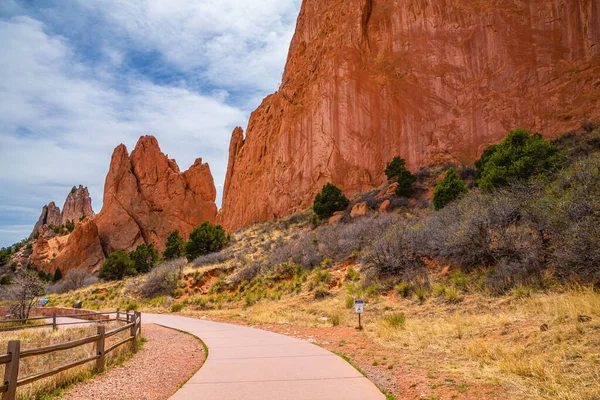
<point x="77" y="205"/>
<point x="428" y="80"/>
<point x="146" y="197"/>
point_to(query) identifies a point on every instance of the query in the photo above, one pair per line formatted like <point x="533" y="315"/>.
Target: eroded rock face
<point x="146" y="197"/>
<point x="77" y="205"/>
<point x="367" y="80"/>
<point x="82" y="250"/>
<point x="50" y="216"/>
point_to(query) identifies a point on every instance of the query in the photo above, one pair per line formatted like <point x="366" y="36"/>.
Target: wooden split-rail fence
<point x="133" y="323"/>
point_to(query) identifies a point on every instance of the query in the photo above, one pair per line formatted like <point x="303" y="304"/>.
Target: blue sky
<point x="79" y="77"/>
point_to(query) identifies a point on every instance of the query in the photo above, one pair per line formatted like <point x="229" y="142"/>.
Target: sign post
<point x="359" y="308"/>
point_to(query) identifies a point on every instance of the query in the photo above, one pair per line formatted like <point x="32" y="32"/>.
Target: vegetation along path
<point x="251" y="364"/>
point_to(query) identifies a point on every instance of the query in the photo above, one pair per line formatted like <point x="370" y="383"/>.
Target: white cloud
<point x="67" y="101"/>
<point x="231" y="43"/>
<point x="60" y="121"/>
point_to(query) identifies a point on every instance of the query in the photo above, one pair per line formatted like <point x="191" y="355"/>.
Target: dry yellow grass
<point x="35" y="338"/>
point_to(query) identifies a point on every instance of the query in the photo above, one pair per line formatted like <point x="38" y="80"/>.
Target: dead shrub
<point x="396" y="253"/>
<point x="340" y="241"/>
<point x="163" y="280"/>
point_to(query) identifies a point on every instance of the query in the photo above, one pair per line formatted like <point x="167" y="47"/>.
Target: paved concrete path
<point x="251" y="364"/>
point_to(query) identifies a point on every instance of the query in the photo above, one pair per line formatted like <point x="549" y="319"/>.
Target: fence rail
<point x="14" y="354"/>
<point x="54" y="324"/>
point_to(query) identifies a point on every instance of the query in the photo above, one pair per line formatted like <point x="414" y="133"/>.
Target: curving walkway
<point x="250" y="364"/>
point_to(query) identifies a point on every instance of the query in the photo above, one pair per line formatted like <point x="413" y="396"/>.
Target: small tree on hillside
<point x="117" y="266"/>
<point x="521" y="155"/>
<point x="204" y="239"/>
<point x="174" y="247"/>
<point x="448" y="190"/>
<point x="144" y="257"/>
<point x="57" y="275"/>
<point x="70" y="225"/>
<point x="330" y="200"/>
<point x="396" y="172"/>
<point x="24" y="292"/>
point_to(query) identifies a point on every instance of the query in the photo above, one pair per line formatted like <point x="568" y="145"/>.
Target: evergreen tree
<point x="144" y="257"/>
<point x="448" y="190"/>
<point x="57" y="275"/>
<point x="174" y="247"/>
<point x="117" y="266"/>
<point x="521" y="155"/>
<point x="205" y="239"/>
<point x="330" y="200"/>
<point x="396" y="172"/>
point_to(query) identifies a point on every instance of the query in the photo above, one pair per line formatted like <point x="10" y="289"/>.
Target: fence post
<point x="139" y="315"/>
<point x="133" y="334"/>
<point x="54" y="327"/>
<point x="127" y="315"/>
<point x="118" y="313"/>
<point x="11" y="372"/>
<point x="100" y="361"/>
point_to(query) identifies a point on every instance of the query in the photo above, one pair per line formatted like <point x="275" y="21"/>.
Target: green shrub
<point x="352" y="275"/>
<point x="144" y="257"/>
<point x="336" y="319"/>
<point x="117" y="266"/>
<point x="395" y="321"/>
<point x="397" y="172"/>
<point x="205" y="239"/>
<point x="249" y="299"/>
<point x="321" y="291"/>
<point x="131" y="306"/>
<point x="70" y="225"/>
<point x="5" y="280"/>
<point x="403" y="289"/>
<point x="349" y="301"/>
<point x="521" y="155"/>
<point x="174" y="246"/>
<point x="319" y="276"/>
<point x="448" y="190"/>
<point x="452" y="295"/>
<point x="57" y="275"/>
<point x="330" y="200"/>
<point x="177" y="307"/>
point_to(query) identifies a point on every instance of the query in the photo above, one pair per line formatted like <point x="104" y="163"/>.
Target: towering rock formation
<point x="77" y="205"/>
<point x="50" y="216"/>
<point x="367" y="80"/>
<point x="146" y="197"/>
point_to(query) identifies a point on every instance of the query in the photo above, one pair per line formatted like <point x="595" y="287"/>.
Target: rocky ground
<point x="164" y="363"/>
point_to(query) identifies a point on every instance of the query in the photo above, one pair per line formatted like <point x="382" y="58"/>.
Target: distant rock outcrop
<point x="50" y="216"/>
<point x="77" y="206"/>
<point x="430" y="81"/>
<point x="146" y="197"/>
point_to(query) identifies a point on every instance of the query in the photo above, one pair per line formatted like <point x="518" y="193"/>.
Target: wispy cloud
<point x="180" y="71"/>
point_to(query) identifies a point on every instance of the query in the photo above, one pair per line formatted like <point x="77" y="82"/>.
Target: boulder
<point x="337" y="217"/>
<point x="385" y="206"/>
<point x="359" y="210"/>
